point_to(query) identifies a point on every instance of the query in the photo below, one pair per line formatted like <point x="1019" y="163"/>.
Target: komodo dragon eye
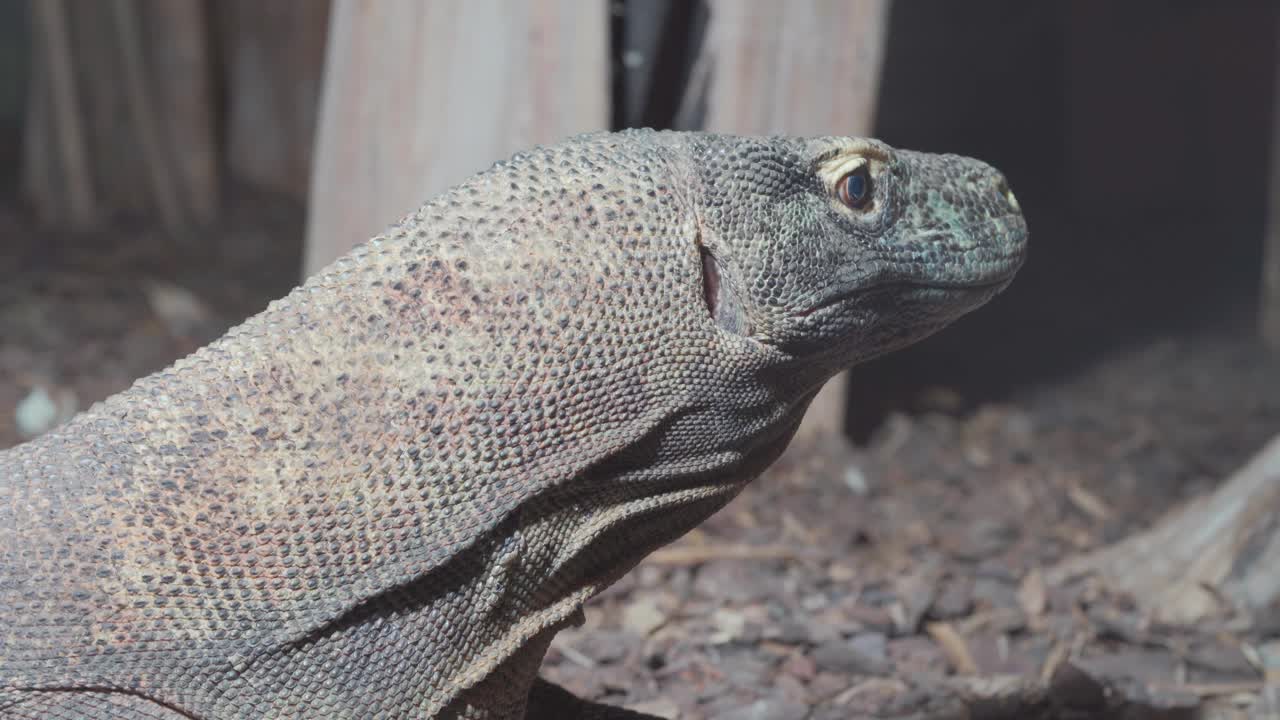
<point x="854" y="189"/>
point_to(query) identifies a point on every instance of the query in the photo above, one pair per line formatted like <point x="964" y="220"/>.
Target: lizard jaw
<point x="991" y="285"/>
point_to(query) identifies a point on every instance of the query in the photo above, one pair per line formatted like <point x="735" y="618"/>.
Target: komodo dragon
<point x="382" y="496"/>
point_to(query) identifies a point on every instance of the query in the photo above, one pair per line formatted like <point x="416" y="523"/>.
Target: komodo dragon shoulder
<point x="382" y="496"/>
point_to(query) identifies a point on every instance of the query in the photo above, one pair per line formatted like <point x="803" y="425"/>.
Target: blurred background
<point x="167" y="167"/>
<point x="169" y="151"/>
<point x="195" y="158"/>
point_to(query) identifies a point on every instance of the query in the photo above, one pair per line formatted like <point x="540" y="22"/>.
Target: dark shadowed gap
<point x="15" y="56"/>
<point x="1133" y="135"/>
<point x="654" y="44"/>
<point x="617" y="72"/>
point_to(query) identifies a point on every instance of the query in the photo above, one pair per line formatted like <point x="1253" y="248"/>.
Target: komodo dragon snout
<point x="849" y="246"/>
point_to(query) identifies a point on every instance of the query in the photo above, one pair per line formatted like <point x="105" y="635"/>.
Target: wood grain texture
<point x="809" y="67"/>
<point x="56" y="168"/>
<point x="185" y="93"/>
<point x="417" y="96"/>
<point x="121" y="118"/>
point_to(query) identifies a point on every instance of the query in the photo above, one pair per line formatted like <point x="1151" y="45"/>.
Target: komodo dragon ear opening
<point x="722" y="302"/>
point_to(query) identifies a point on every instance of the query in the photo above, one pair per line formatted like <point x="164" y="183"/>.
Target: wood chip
<point x="1213" y="689"/>
<point x="1053" y="661"/>
<point x="660" y="707"/>
<point x="1088" y="503"/>
<point x="997" y="620"/>
<point x="839" y="572"/>
<point x="698" y="554"/>
<point x="641" y="617"/>
<point x="954" y="646"/>
<point x="796" y="529"/>
<point x="1032" y="594"/>
<point x="571" y="654"/>
<point x="746" y="519"/>
<point x="916" y="592"/>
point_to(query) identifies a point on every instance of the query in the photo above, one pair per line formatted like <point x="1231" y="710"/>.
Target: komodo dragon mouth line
<point x="904" y="287"/>
<point x="945" y="288"/>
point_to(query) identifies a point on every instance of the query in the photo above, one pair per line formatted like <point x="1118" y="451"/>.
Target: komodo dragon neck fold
<point x="381" y="497"/>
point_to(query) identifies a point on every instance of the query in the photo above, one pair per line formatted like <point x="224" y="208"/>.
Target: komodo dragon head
<point x="383" y="495"/>
<point x="845" y="248"/>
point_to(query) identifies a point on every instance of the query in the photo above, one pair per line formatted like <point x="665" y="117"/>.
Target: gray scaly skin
<point x="382" y="496"/>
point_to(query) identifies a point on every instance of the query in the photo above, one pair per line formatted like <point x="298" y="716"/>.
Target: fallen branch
<point x="1214" y="556"/>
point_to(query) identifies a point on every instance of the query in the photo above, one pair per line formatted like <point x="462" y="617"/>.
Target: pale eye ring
<point x="854" y="189"/>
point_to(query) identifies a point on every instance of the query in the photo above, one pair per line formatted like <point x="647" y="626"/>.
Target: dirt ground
<point x="904" y="578"/>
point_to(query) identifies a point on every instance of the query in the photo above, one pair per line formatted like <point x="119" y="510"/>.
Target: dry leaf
<point x="1032" y="594"/>
<point x="954" y="647"/>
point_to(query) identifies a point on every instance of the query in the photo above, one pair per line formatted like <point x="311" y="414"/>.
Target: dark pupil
<point x="856" y="186"/>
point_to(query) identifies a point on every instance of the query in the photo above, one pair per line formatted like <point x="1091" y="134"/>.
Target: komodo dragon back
<point x="382" y="496"/>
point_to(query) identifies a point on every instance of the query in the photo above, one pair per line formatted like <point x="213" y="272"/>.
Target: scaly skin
<point x="381" y="497"/>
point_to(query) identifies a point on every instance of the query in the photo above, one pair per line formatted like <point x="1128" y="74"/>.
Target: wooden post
<point x="417" y="96"/>
<point x="56" y="142"/>
<point x="1270" y="310"/>
<point x="807" y="67"/>
<point x="273" y="55"/>
<point x="120" y="116"/>
<point x="184" y="103"/>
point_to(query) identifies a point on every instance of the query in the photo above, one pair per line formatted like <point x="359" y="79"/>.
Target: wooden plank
<point x="143" y="113"/>
<point x="417" y="96"/>
<point x="806" y="67"/>
<point x="58" y="151"/>
<point x="126" y="90"/>
<point x="177" y="40"/>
